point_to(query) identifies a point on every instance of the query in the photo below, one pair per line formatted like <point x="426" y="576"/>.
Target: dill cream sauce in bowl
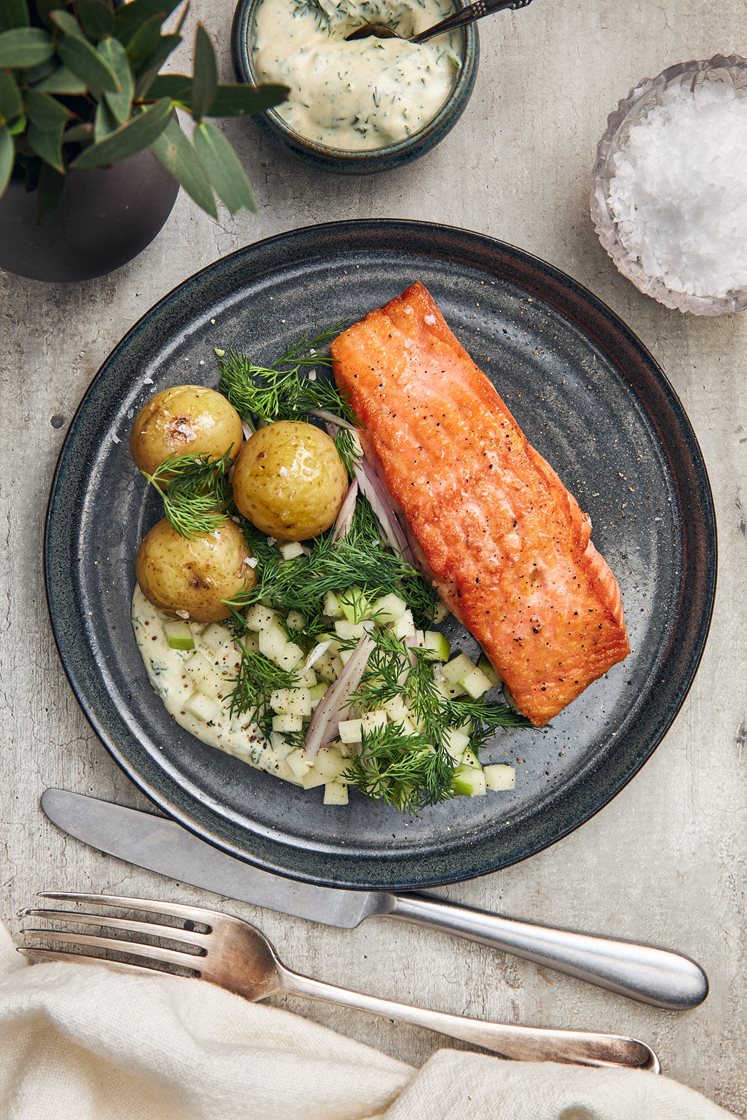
<point x="356" y="106"/>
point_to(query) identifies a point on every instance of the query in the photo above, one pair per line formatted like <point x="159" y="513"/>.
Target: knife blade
<point x="642" y="972"/>
<point x="167" y="848"/>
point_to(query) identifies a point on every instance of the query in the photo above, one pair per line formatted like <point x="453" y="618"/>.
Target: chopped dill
<point x="401" y="769"/>
<point x="257" y="679"/>
<point x="196" y="492"/>
<point x="348" y="448"/>
<point x="283" y="390"/>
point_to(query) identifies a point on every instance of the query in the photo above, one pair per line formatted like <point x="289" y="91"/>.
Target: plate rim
<point x="563" y="280"/>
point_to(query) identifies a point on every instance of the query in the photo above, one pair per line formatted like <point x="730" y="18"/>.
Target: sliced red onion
<point x="315" y="654"/>
<point x="347" y="509"/>
<point x="247" y="429"/>
<point x="330" y="418"/>
<point x="323" y="726"/>
<point x="381" y="504"/>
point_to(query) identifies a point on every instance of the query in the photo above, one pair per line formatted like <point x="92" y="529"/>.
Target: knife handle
<point x="643" y="972"/>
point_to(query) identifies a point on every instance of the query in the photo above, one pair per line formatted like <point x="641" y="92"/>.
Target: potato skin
<point x="289" y="480"/>
<point x="177" y="574"/>
<point x="184" y="420"/>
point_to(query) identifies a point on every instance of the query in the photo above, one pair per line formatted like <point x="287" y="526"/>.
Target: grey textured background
<point x="665" y="861"/>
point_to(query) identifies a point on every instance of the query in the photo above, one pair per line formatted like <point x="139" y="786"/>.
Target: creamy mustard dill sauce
<point x="174" y="673"/>
<point x="361" y="95"/>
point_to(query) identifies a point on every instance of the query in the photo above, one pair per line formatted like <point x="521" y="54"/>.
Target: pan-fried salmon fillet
<point x="504" y="541"/>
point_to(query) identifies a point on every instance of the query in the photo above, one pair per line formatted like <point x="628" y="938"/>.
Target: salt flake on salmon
<point x="505" y="542"/>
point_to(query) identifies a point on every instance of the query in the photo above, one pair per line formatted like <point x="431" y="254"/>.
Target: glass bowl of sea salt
<point x="669" y="188"/>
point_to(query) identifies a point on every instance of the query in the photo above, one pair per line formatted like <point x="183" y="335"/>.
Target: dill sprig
<point x="282" y="390"/>
<point x="348" y="448"/>
<point x="407" y="770"/>
<point x="195" y="490"/>
<point x="401" y="769"/>
<point x="257" y="679"/>
<point x="359" y="559"/>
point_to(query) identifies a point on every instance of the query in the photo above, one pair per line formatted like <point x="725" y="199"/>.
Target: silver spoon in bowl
<point x="461" y="18"/>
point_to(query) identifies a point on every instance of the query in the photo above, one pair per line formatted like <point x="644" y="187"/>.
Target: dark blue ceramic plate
<point x="591" y="399"/>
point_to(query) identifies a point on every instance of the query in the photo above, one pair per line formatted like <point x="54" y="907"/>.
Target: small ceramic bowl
<point x="340" y="160"/>
<point x="639" y="102"/>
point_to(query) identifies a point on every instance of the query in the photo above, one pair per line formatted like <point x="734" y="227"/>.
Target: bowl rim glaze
<point x="601" y="215"/>
<point x="369" y="159"/>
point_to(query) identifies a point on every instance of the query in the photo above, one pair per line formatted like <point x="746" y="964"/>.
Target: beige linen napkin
<point x="85" y="1042"/>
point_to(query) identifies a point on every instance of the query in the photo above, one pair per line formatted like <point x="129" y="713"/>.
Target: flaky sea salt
<point x="679" y="191"/>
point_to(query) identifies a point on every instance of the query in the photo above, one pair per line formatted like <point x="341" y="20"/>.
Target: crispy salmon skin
<point x="504" y="541"/>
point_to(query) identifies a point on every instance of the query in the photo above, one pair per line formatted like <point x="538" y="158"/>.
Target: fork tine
<point x="83" y="958"/>
<point x="136" y="948"/>
<point x="175" y="909"/>
<point x="154" y="929"/>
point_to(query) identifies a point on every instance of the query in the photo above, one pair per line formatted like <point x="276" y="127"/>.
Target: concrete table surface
<point x="665" y="861"/>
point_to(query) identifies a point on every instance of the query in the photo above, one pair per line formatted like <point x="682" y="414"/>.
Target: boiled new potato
<point x="177" y="574"/>
<point x="184" y="420"/>
<point x="289" y="480"/>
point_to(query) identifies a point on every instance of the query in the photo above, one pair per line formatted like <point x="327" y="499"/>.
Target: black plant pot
<point x="105" y="218"/>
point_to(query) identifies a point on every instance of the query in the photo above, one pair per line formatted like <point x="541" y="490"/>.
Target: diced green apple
<point x="469" y="758"/>
<point x="485" y="667"/>
<point x="291" y="549"/>
<point x="298" y="763"/>
<point x="475" y="683"/>
<point x="216" y="636"/>
<point x="202" y="707"/>
<point x="404" y="627"/>
<point x="317" y="691"/>
<point x="284" y="724"/>
<point x="500" y="775"/>
<point x="349" y="730"/>
<point x="335" y="793"/>
<point x="260" y="617"/>
<point x="291" y="702"/>
<point x="437" y="644"/>
<point x="388" y="609"/>
<point x="354" y="604"/>
<point x="349" y="630"/>
<point x="456" y="743"/>
<point x="396" y="709"/>
<point x="441" y="613"/>
<point x="457" y="669"/>
<point x="179" y="635"/>
<point x="331" y="606"/>
<point x="331" y="764"/>
<point x="295" y="620"/>
<point x="469" y="782"/>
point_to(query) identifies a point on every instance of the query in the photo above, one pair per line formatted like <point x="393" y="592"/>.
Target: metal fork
<point x="236" y="956"/>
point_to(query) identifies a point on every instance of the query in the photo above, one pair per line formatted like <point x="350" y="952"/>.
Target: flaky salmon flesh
<point x="502" y="538"/>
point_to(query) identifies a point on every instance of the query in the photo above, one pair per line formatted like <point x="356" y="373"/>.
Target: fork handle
<point x="527" y="1044"/>
<point x="642" y="972"/>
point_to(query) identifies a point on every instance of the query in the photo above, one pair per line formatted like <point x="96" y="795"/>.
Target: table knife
<point x="642" y="972"/>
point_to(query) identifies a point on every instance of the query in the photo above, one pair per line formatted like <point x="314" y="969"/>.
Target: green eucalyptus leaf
<point x="7" y="157"/>
<point x="145" y="40"/>
<point x="137" y="133"/>
<point x="178" y="156"/>
<point x="148" y="69"/>
<point x="96" y="17"/>
<point x="176" y="86"/>
<point x="66" y="23"/>
<point x="104" y="122"/>
<point x="25" y="46"/>
<point x="61" y="80"/>
<point x="205" y="80"/>
<point x="120" y="104"/>
<point x="13" y="13"/>
<point x="36" y="74"/>
<point x="78" y="134"/>
<point x="19" y="125"/>
<point x="239" y="100"/>
<point x="47" y="143"/>
<point x="11" y="104"/>
<point x="46" y="112"/>
<point x="44" y="9"/>
<point x="85" y="61"/>
<point x="223" y="168"/>
<point x="50" y="187"/>
<point x="129" y="17"/>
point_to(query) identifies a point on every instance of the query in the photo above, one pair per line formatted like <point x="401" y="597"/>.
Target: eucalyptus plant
<point x="80" y="88"/>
